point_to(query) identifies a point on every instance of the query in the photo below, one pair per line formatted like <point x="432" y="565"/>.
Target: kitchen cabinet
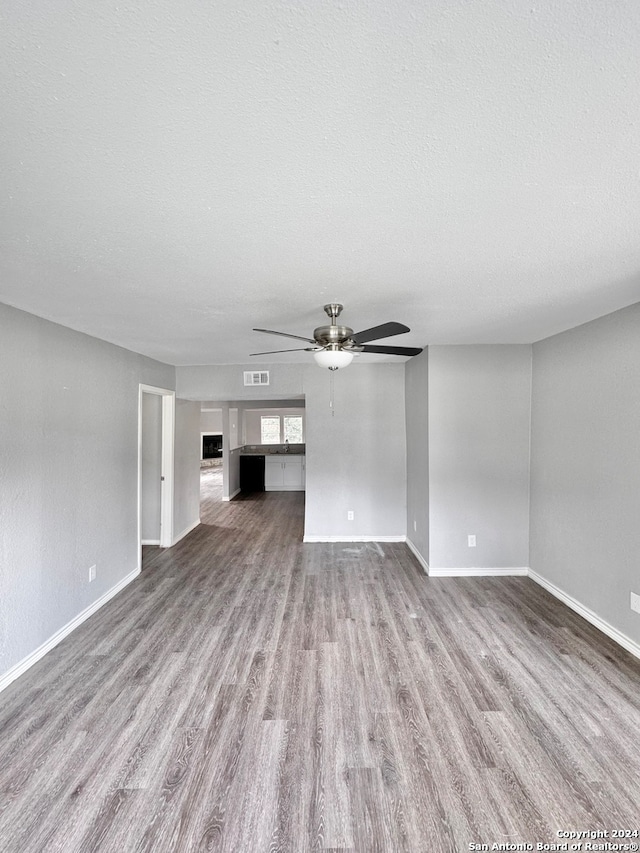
<point x="284" y="474"/>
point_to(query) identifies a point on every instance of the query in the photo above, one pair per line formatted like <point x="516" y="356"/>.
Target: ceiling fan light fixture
<point x="333" y="358"/>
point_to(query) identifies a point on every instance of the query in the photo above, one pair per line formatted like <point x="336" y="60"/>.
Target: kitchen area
<point x="272" y="468"/>
<point x="262" y="445"/>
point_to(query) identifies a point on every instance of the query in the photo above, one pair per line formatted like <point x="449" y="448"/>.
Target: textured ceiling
<point x="175" y="174"/>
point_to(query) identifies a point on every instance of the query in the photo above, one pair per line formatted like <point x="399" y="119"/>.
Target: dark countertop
<point x="272" y="450"/>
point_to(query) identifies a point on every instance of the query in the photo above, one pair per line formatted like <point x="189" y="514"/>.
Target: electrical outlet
<point x="635" y="602"/>
<point x="92" y="573"/>
<point x="350" y="515"/>
<point x="471" y="540"/>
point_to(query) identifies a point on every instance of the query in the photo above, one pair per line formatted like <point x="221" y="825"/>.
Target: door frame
<point x="166" y="464"/>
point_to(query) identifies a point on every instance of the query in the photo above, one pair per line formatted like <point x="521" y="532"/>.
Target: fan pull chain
<point x="331" y="399"/>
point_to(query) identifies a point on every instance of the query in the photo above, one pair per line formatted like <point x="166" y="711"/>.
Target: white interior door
<point x="151" y="473"/>
<point x="148" y="492"/>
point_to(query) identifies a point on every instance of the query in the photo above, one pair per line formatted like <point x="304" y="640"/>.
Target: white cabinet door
<point x="273" y="474"/>
<point x="292" y="472"/>
<point x="284" y="475"/>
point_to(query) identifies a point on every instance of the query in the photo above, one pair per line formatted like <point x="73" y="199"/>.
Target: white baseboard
<point x="507" y="571"/>
<point x="26" y="663"/>
<point x="418" y="556"/>
<point x="232" y="496"/>
<point x="150" y="542"/>
<point x="599" y="623"/>
<point x="354" y="539"/>
<point x="511" y="571"/>
<point x="184" y="533"/>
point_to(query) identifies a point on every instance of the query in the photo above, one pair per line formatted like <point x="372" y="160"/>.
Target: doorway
<point x="156" y="427"/>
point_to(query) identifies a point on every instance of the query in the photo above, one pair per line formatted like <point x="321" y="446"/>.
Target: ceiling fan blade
<point x="386" y="330"/>
<point x="393" y="350"/>
<point x="287" y="335"/>
<point x="271" y="352"/>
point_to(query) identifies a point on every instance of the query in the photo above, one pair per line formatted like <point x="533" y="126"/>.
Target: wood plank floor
<point x="254" y="694"/>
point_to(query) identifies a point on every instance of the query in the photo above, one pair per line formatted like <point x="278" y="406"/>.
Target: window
<point x="276" y="429"/>
<point x="270" y="429"/>
<point x="293" y="429"/>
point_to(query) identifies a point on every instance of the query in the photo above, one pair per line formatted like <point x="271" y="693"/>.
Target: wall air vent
<point x="256" y="377"/>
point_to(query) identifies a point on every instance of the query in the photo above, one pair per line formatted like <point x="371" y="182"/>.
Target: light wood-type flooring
<point x="253" y="694"/>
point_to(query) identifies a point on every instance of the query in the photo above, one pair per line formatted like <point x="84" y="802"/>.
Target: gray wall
<point x="186" y="492"/>
<point x="356" y="452"/>
<point x="356" y="459"/>
<point x="417" y="425"/>
<point x="479" y="419"/>
<point x="69" y="472"/>
<point x="585" y="465"/>
<point x="225" y="382"/>
<point x="211" y="421"/>
<point x="151" y="467"/>
<point x="231" y="456"/>
<point x="233" y="473"/>
<point x="234" y="428"/>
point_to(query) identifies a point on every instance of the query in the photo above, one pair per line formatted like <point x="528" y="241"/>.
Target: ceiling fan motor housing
<point x="333" y="336"/>
<point x="325" y="335"/>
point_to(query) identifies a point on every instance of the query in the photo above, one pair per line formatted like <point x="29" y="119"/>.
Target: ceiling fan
<point x="334" y="346"/>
